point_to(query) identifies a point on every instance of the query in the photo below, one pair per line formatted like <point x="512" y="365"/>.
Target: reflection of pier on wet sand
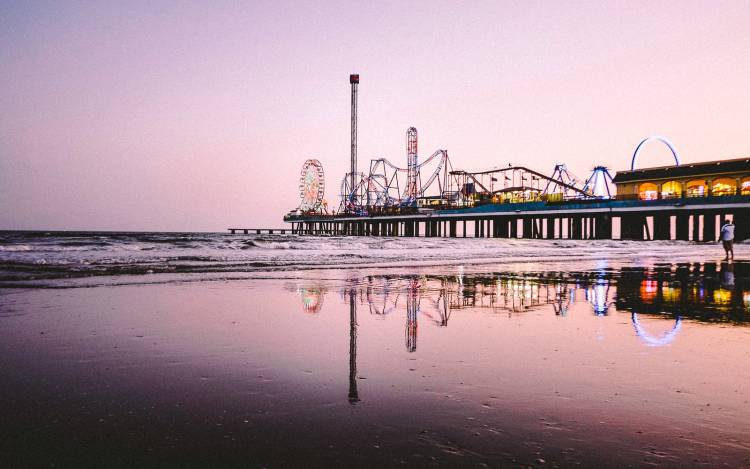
<point x="710" y="292"/>
<point x="700" y="291"/>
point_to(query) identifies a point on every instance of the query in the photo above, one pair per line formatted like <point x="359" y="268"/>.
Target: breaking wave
<point x="33" y="256"/>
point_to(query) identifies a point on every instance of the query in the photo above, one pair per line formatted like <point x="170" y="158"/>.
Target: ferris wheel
<point x="311" y="186"/>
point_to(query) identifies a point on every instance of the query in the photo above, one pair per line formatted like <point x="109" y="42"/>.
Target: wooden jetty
<point x="258" y="230"/>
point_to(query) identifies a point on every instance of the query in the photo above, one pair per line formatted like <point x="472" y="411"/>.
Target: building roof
<point x="685" y="170"/>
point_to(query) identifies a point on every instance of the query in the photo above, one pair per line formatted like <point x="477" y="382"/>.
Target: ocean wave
<point x="18" y="248"/>
<point x="51" y="255"/>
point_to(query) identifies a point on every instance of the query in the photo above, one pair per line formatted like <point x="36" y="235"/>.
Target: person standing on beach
<point x="727" y="238"/>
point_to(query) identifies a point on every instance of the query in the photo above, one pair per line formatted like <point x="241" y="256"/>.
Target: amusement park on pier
<point x="434" y="198"/>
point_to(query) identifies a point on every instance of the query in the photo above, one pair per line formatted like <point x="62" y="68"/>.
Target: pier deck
<point x="684" y="218"/>
<point x="258" y="230"/>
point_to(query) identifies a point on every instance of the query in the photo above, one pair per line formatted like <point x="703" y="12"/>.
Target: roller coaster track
<point x="377" y="187"/>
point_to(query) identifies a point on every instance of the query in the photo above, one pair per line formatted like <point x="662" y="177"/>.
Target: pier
<point x="428" y="198"/>
<point x="688" y="219"/>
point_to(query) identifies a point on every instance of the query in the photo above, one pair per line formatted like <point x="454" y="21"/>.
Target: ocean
<point x="56" y="258"/>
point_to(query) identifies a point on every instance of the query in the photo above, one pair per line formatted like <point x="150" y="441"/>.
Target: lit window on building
<point x="696" y="188"/>
<point x="648" y="191"/>
<point x="724" y="186"/>
<point x="671" y="190"/>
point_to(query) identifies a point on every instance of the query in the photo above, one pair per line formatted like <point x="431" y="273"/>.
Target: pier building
<point x="707" y="179"/>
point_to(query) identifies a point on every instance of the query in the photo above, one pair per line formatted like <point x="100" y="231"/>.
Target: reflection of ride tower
<point x="353" y="393"/>
<point x="439" y="309"/>
<point x="562" y="300"/>
<point x="598" y="296"/>
<point x="497" y="292"/>
<point x="412" y="308"/>
<point x="443" y="303"/>
<point x="378" y="297"/>
<point x="519" y="294"/>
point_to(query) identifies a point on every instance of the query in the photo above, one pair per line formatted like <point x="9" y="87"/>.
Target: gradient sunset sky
<point x="198" y="115"/>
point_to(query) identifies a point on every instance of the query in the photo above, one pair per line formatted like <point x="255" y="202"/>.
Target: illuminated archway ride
<point x="658" y="138"/>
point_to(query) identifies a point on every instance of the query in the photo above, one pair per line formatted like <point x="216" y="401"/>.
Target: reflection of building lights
<point x="652" y="341"/>
<point x="648" y="290"/>
<point x="722" y="296"/>
<point x="671" y="294"/>
<point x="746" y="299"/>
<point x="560" y="304"/>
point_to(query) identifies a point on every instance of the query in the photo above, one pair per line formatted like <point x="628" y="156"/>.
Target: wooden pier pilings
<point x="688" y="220"/>
<point x="258" y="230"/>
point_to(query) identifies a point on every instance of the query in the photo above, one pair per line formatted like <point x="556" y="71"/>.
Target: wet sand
<point x="440" y="368"/>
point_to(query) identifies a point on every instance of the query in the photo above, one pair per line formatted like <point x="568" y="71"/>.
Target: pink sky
<point x="198" y="116"/>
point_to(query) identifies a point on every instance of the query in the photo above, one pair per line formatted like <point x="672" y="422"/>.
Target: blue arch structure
<point x="663" y="140"/>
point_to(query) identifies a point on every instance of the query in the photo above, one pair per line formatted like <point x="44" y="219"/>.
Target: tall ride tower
<point x="354" y="81"/>
<point x="411" y="159"/>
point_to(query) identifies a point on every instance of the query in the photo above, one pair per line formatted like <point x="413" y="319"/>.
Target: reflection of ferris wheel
<point x="312" y="299"/>
<point x="311" y="185"/>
